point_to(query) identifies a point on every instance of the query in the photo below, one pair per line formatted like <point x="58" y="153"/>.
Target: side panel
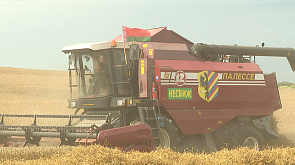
<point x="144" y="66"/>
<point x="142" y="77"/>
<point x="202" y="99"/>
<point x="201" y="121"/>
<point x="273" y="92"/>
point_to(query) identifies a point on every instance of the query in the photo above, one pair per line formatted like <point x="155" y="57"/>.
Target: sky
<point x="33" y="32"/>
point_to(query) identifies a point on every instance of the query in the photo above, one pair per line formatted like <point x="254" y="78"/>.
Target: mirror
<point x="134" y="51"/>
<point x="70" y="59"/>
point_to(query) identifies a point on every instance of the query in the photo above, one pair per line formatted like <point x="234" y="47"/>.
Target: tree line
<point x="285" y="84"/>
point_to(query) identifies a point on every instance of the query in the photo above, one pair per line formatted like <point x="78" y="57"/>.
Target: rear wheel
<point x="247" y="137"/>
<point x="251" y="142"/>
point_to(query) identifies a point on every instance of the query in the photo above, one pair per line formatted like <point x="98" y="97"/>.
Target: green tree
<point x="286" y="84"/>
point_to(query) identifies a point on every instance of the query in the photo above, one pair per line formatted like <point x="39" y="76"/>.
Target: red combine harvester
<point x="166" y="91"/>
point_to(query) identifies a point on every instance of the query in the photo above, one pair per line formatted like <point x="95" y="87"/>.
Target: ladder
<point x="149" y="116"/>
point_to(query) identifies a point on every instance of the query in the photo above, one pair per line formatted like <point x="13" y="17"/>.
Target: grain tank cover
<point x="162" y="34"/>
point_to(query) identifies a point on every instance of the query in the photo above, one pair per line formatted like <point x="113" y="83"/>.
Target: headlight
<point x="72" y="104"/>
<point x="121" y="102"/>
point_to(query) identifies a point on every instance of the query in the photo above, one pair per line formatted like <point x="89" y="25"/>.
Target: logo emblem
<point x="180" y="78"/>
<point x="208" y="88"/>
<point x="167" y="75"/>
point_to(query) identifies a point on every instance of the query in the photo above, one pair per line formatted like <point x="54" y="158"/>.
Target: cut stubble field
<point x="28" y="91"/>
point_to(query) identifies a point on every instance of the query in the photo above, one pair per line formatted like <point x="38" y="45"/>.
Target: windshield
<point x="102" y="73"/>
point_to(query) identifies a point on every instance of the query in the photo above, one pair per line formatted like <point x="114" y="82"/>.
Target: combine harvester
<point x="153" y="87"/>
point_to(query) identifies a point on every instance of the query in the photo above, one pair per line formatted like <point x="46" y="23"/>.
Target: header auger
<point x="166" y="92"/>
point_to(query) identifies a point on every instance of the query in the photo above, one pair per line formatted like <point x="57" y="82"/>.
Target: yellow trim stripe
<point x="150" y="52"/>
<point x="142" y="67"/>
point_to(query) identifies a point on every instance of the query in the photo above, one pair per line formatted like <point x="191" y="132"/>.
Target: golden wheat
<point x="102" y="155"/>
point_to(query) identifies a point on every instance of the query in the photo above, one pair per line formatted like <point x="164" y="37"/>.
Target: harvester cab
<point x="103" y="75"/>
<point x="165" y="91"/>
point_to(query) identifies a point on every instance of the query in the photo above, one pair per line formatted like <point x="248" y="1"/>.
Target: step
<point x="150" y="109"/>
<point x="150" y="119"/>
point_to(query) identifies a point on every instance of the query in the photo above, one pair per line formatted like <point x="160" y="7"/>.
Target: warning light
<point x="114" y="44"/>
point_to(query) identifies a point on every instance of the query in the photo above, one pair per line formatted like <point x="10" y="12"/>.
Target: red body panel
<point x="128" y="137"/>
<point x="273" y="92"/>
<point x="239" y="89"/>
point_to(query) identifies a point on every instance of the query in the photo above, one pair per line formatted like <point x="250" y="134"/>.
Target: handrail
<point x="153" y="79"/>
<point x="163" y="67"/>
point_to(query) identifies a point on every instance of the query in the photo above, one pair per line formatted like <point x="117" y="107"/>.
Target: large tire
<point x="168" y="135"/>
<point x="247" y="136"/>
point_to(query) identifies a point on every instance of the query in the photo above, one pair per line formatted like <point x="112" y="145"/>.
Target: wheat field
<point x="27" y="91"/>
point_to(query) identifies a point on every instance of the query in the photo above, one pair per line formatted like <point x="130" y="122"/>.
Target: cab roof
<point x="93" y="46"/>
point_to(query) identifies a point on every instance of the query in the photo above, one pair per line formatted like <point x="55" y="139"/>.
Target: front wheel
<point x="168" y="133"/>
